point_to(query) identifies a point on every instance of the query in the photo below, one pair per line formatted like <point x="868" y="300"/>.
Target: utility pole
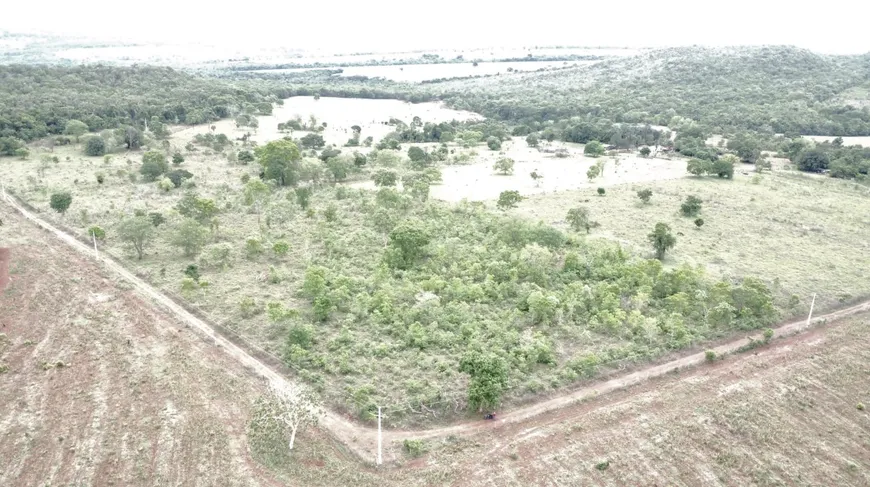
<point x="379" y="436"/>
<point x="813" y="305"/>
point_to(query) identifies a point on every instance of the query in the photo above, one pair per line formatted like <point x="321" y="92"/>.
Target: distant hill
<point x="769" y="89"/>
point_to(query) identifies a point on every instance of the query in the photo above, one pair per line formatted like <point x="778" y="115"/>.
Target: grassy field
<point x="801" y="234"/>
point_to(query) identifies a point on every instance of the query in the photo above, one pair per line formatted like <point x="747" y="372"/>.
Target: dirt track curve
<point x="362" y="440"/>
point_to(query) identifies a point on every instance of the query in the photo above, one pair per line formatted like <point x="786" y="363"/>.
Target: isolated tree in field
<point x="724" y="166"/>
<point x="153" y="165"/>
<point x="95" y="146"/>
<point x="699" y="167"/>
<point x="508" y="200"/>
<point x="384" y="178"/>
<point x="407" y="244"/>
<point x="593" y="172"/>
<point x="75" y="128"/>
<point x="645" y="195"/>
<point x="692" y="206"/>
<point x="504" y="165"/>
<point x="190" y="236"/>
<point x="699" y="222"/>
<point x="813" y="160"/>
<point x="60" y="202"/>
<point x="256" y="194"/>
<point x="593" y="148"/>
<point x="303" y="196"/>
<point x="578" y="219"/>
<point x="493" y="143"/>
<point x="280" y="161"/>
<point x="662" y="239"/>
<point x="312" y="141"/>
<point x="645" y="151"/>
<point x="489" y="378"/>
<point x="532" y="140"/>
<point x="136" y="231"/>
<point x="288" y="410"/>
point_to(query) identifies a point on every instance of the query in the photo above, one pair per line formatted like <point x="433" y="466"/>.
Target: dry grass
<point x="801" y="234"/>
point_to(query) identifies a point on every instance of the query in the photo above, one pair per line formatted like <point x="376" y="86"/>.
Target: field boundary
<point x="362" y="439"/>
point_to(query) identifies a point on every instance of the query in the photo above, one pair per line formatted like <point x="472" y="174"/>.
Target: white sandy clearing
<point x="340" y="114"/>
<point x="847" y="141"/>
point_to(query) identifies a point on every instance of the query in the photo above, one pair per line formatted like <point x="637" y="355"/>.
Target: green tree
<point x="724" y="166"/>
<point x="593" y="148"/>
<point x="177" y="158"/>
<point x="645" y="195"/>
<point x="407" y="244"/>
<point x="312" y="141"/>
<point x="384" y="178"/>
<point x="153" y="165"/>
<point x="489" y="378"/>
<point x="339" y="167"/>
<point x="645" y="151"/>
<point x="60" y="202"/>
<point x="504" y="165"/>
<point x="190" y="236"/>
<point x="692" y="206"/>
<point x="417" y="155"/>
<point x="132" y="137"/>
<point x="578" y="219"/>
<point x="532" y="140"/>
<point x="699" y="167"/>
<point x="508" y="199"/>
<point x="95" y="146"/>
<point x="493" y="143"/>
<point x="746" y="147"/>
<point x="303" y="196"/>
<point x="75" y="128"/>
<point x="136" y="231"/>
<point x="280" y="161"/>
<point x="813" y="160"/>
<point x="662" y="239"/>
<point x="245" y="156"/>
<point x="699" y="222"/>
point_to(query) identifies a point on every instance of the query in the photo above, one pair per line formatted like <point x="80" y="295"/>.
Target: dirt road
<point x="362" y="440"/>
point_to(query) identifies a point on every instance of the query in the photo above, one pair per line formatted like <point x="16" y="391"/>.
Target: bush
<point x="493" y="143"/>
<point x="414" y="448"/>
<point x="97" y="232"/>
<point x="601" y="191"/>
<point x="60" y="202"/>
<point x="253" y="246"/>
<point x="178" y="176"/>
<point x="593" y="148"/>
<point x="508" y="200"/>
<point x="645" y="195"/>
<point x="699" y="222"/>
<point x="504" y="165"/>
<point x="95" y="147"/>
<point x="813" y="160"/>
<point x="692" y="206"/>
<point x="177" y="158"/>
<point x="153" y="165"/>
<point x="165" y="184"/>
<point x="245" y="156"/>
<point x="768" y="334"/>
<point x="710" y="355"/>
<point x="101" y="178"/>
<point x="280" y="248"/>
<point x="216" y="255"/>
<point x="192" y="271"/>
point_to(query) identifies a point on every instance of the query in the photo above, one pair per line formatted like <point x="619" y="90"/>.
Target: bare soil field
<point x="799" y="233"/>
<point x="99" y="388"/>
<point x="340" y="114"/>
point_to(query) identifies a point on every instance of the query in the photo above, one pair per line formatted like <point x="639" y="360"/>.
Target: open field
<point x="340" y="114"/>
<point x="802" y="234"/>
<point x="416" y="73"/>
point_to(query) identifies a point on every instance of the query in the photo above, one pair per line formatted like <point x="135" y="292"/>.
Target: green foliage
<point x="407" y="244"/>
<point x="578" y="219"/>
<point x="384" y="178"/>
<point x="75" y="128"/>
<point x="418" y="155"/>
<point x="662" y="239"/>
<point x="691" y="206"/>
<point x="747" y="148"/>
<point x="312" y="141"/>
<point x="153" y="165"/>
<point x="489" y="378"/>
<point x="178" y="176"/>
<point x="532" y="140"/>
<point x="253" y="247"/>
<point x="280" y="161"/>
<point x="508" y="199"/>
<point x="699" y="222"/>
<point x="217" y="256"/>
<point x="97" y="232"/>
<point x="601" y="191"/>
<point x="813" y="160"/>
<point x="245" y="156"/>
<point x="645" y="195"/>
<point x="645" y="151"/>
<point x="192" y="271"/>
<point x="504" y="165"/>
<point x="95" y="146"/>
<point x="189" y="236"/>
<point x="303" y="196"/>
<point x="165" y="184"/>
<point x="137" y="232"/>
<point x="724" y="167"/>
<point x="177" y="158"/>
<point x="60" y="202"/>
<point x="593" y="148"/>
<point x="699" y="167"/>
<point x="280" y="248"/>
<point x="200" y="209"/>
<point x="414" y="448"/>
<point x="493" y="143"/>
<point x="710" y="355"/>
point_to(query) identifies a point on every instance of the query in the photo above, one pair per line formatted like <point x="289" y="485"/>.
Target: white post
<point x="379" y="436"/>
<point x="96" y="254"/>
<point x="813" y="305"/>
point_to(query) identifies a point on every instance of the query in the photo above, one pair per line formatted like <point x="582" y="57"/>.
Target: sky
<point x="835" y="26"/>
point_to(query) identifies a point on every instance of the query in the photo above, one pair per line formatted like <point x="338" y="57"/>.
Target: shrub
<point x="645" y="151"/>
<point x="253" y="246"/>
<point x="508" y="200"/>
<point x="178" y="176"/>
<point x="280" y="248"/>
<point x="603" y="465"/>
<point x="192" y="271"/>
<point x="331" y="213"/>
<point x="768" y="334"/>
<point x="414" y="448"/>
<point x="216" y="255"/>
<point x="699" y="167"/>
<point x="165" y="184"/>
<point x="493" y="143"/>
<point x="60" y="202"/>
<point x="504" y="165"/>
<point x="153" y="165"/>
<point x="710" y="355"/>
<point x="177" y="158"/>
<point x="662" y="239"/>
<point x="860" y="406"/>
<point x="645" y="195"/>
<point x="101" y="178"/>
<point x="699" y="222"/>
<point x="593" y="148"/>
<point x="385" y="178"/>
<point x="190" y="236"/>
<point x="601" y="191"/>
<point x="245" y="156"/>
<point x="692" y="206"/>
<point x="95" y="147"/>
<point x="97" y="232"/>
